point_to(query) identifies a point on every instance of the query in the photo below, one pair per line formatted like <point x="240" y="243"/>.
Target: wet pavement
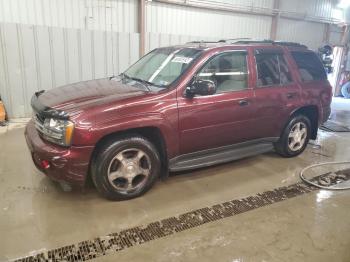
<point x="37" y="215"/>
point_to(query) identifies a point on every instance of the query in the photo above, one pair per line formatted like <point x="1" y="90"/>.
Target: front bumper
<point x="69" y="165"/>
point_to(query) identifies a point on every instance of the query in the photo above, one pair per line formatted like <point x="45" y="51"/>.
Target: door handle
<point x="291" y="95"/>
<point x="243" y="102"/>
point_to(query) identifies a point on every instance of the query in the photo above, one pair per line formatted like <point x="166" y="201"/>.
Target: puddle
<point x="114" y="242"/>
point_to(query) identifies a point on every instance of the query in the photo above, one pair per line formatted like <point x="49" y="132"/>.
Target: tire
<point x="125" y="168"/>
<point x="284" y="146"/>
<point x="345" y="90"/>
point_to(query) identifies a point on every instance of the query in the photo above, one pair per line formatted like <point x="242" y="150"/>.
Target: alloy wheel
<point x="297" y="136"/>
<point x="129" y="170"/>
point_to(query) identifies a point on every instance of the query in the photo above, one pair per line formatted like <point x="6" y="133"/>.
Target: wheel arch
<point x="151" y="133"/>
<point x="311" y="112"/>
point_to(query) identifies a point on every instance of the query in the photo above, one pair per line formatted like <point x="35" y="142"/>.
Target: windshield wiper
<point x="144" y="82"/>
<point x="123" y="75"/>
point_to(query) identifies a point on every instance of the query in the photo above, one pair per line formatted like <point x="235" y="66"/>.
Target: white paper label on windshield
<point x="181" y="59"/>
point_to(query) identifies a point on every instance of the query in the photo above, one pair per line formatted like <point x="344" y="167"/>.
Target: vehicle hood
<point x="75" y="98"/>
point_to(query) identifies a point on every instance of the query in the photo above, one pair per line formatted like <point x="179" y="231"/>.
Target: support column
<point x="326" y="34"/>
<point x="141" y="25"/>
<point x="275" y="18"/>
<point x="345" y="35"/>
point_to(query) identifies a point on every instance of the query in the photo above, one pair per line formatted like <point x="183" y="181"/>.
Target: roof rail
<point x="201" y="42"/>
<point x="219" y="41"/>
<point x="283" y="43"/>
<point x="251" y="41"/>
<point x="267" y="41"/>
<point x="234" y="39"/>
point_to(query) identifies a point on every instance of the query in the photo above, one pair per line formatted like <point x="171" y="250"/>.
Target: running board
<point x="221" y="155"/>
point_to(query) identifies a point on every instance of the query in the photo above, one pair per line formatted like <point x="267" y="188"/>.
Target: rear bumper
<point x="70" y="165"/>
<point x="326" y="112"/>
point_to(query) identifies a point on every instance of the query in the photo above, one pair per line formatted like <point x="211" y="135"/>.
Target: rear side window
<point x="272" y="69"/>
<point x="310" y="66"/>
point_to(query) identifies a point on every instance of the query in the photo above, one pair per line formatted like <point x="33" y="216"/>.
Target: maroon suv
<point x="179" y="108"/>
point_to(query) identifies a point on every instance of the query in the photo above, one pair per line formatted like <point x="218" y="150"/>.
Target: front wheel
<point x="295" y="137"/>
<point x="125" y="168"/>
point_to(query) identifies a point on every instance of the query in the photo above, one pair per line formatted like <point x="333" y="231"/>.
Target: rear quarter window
<point x="310" y="66"/>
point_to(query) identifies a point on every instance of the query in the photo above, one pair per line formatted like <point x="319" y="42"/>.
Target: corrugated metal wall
<point x="202" y="23"/>
<point x="33" y="58"/>
<point x="335" y="35"/>
<point x="121" y="16"/>
<point x="304" y="32"/>
<point x="116" y="15"/>
<point x="48" y="43"/>
<point x="155" y="40"/>
<point x="56" y="42"/>
<point x="317" y="8"/>
<point x="180" y="20"/>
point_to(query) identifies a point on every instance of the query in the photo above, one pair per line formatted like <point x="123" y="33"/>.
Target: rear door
<point x="315" y="87"/>
<point x="223" y="118"/>
<point x="277" y="94"/>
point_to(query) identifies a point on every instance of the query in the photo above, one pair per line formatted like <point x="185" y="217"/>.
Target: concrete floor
<point x="36" y="214"/>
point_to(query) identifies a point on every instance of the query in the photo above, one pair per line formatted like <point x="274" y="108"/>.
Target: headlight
<point x="58" y="131"/>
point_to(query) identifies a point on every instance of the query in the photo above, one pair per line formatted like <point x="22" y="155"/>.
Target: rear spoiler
<point x="44" y="110"/>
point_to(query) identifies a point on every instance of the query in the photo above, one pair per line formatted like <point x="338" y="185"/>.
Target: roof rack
<point x="234" y="39"/>
<point x="265" y="41"/>
<point x="283" y="43"/>
<point x="251" y="41"/>
<point x="202" y="42"/>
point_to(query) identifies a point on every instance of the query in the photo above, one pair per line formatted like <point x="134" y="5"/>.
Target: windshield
<point x="162" y="66"/>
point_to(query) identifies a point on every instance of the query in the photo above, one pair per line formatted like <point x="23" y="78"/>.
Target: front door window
<point x="228" y="71"/>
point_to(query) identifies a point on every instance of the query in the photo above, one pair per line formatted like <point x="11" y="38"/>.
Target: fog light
<point x="45" y="164"/>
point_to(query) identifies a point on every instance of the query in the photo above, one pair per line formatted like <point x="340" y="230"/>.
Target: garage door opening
<point x="334" y="77"/>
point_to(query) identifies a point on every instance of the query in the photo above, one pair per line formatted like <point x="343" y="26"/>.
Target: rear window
<point x="310" y="66"/>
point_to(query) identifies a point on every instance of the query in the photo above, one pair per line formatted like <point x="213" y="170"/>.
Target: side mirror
<point x="201" y="87"/>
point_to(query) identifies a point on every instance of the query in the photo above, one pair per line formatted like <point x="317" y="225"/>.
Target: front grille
<point x="39" y="122"/>
<point x="40" y="118"/>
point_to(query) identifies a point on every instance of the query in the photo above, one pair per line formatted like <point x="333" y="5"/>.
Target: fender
<point x="109" y="126"/>
<point x="319" y="109"/>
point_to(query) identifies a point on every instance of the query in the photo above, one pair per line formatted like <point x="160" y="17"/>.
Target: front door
<point x="223" y="118"/>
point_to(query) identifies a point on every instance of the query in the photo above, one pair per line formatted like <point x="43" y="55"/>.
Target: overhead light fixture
<point x="338" y="14"/>
<point x="344" y="4"/>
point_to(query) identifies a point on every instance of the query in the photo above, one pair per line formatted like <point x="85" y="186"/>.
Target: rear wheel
<point x="126" y="168"/>
<point x="295" y="137"/>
